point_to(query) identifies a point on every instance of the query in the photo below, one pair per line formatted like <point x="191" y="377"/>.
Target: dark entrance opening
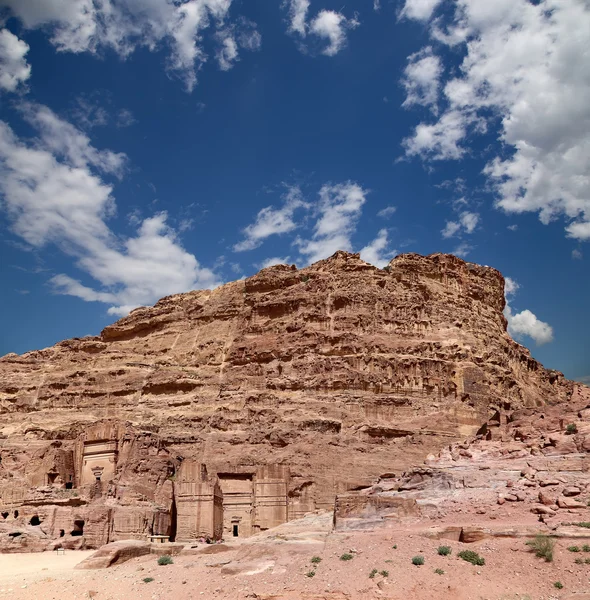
<point x="173" y="521"/>
<point x="61" y="533"/>
<point x="69" y="485"/>
<point x="51" y="477"/>
<point x="78" y="528"/>
<point x="16" y="514"/>
<point x="35" y="520"/>
<point x="235" y="530"/>
<point x="5" y="515"/>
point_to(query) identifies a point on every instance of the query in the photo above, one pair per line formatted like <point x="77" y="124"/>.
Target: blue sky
<point x="150" y="147"/>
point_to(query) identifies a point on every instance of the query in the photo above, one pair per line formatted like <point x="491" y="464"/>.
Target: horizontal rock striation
<point x="339" y="372"/>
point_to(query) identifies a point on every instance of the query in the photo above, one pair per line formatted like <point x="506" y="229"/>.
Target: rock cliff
<point x="299" y="383"/>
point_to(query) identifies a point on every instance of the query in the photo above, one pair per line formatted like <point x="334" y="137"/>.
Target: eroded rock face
<point x="514" y="477"/>
<point x="333" y="374"/>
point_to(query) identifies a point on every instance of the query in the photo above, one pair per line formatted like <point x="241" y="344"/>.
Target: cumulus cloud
<point x="338" y="211"/>
<point x="297" y="10"/>
<point x="273" y="221"/>
<point x="378" y="252"/>
<point x="421" y="79"/>
<point x="524" y="77"/>
<point x="511" y="286"/>
<point x="53" y="192"/>
<point x="125" y="25"/>
<point x="465" y="224"/>
<point x="332" y="26"/>
<point x="420" y="10"/>
<point x="524" y="323"/>
<point x="14" y="69"/>
<point x="327" y="24"/>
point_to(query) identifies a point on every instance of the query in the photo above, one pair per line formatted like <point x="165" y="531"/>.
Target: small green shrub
<point x="558" y="585"/>
<point x="579" y="561"/>
<point x="384" y="573"/>
<point x="346" y="556"/>
<point x="472" y="557"/>
<point x="165" y="559"/>
<point x="439" y="571"/>
<point x="444" y="550"/>
<point x="587" y="561"/>
<point x="316" y="560"/>
<point x="148" y="579"/>
<point x="373" y="573"/>
<point x="573" y="548"/>
<point x="418" y="560"/>
<point x="310" y="574"/>
<point x="585" y="524"/>
<point x="543" y="546"/>
<point x="394" y="546"/>
<point x="388" y="561"/>
<point x="586" y="548"/>
<point x="571" y="429"/>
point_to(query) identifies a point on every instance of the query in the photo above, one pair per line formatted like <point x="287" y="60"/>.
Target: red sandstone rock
<point x="288" y="386"/>
<point x="115" y="553"/>
<point x="569" y="503"/>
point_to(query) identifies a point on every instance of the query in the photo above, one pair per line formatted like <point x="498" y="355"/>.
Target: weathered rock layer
<point x="336" y="373"/>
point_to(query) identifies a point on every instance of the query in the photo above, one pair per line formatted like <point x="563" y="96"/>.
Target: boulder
<point x="115" y="553"/>
<point x="563" y="502"/>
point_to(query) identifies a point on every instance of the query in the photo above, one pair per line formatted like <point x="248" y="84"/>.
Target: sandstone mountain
<point x="291" y="386"/>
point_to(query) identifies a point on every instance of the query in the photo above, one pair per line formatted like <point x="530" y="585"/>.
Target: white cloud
<point x="14" y="68"/>
<point x="227" y="53"/>
<point x="511" y="286"/>
<point x="387" y="212"/>
<point x="377" y="5"/>
<point x="332" y="26"/>
<point x="420" y="10"/>
<point x="52" y="194"/>
<point x="275" y="260"/>
<point x="243" y="35"/>
<point x="451" y="229"/>
<point x="422" y="79"/>
<point x="524" y="323"/>
<point x="272" y="221"/>
<point x="124" y="25"/>
<point x="525" y="70"/>
<point x="467" y="223"/>
<point x="125" y="118"/>
<point x="327" y="24"/>
<point x="298" y="16"/>
<point x="377" y="252"/>
<point x="440" y="140"/>
<point x="66" y="141"/>
<point x="513" y="227"/>
<point x="338" y="211"/>
<point x="462" y="250"/>
<point x="577" y="254"/>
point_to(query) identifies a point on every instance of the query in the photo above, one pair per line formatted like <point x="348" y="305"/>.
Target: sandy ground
<point x="274" y="569"/>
